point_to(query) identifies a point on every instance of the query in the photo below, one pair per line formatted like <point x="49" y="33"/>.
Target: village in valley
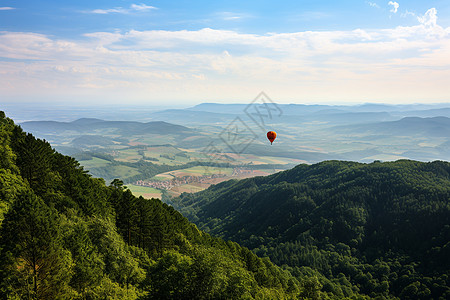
<point x="202" y="180"/>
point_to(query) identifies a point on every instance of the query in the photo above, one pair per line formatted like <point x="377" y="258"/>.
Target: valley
<point x="224" y="142"/>
<point x="335" y="229"/>
<point x="229" y="150"/>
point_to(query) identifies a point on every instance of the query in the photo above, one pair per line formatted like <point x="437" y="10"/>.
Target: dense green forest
<point x="66" y="235"/>
<point x="379" y="229"/>
<point x="337" y="229"/>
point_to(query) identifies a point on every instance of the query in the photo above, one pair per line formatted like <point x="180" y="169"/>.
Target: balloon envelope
<point x="271" y="135"/>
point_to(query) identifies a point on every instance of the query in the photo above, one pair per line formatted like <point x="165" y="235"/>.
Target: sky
<point x="188" y="52"/>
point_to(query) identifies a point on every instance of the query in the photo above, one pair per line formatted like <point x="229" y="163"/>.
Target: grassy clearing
<point x="201" y="170"/>
<point x="95" y="162"/>
<point x="128" y="155"/>
<point x="187" y="188"/>
<point x="155" y="139"/>
<point x="144" y="191"/>
<point x="260" y="160"/>
<point x="162" y="177"/>
<point x="124" y="171"/>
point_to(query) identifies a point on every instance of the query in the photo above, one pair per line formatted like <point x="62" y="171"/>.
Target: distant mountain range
<point x="91" y="124"/>
<point x="214" y="113"/>
<point x="303" y="109"/>
<point x="186" y="116"/>
<point x="311" y="133"/>
<point x="435" y="126"/>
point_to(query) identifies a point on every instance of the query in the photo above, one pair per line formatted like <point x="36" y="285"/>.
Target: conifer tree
<point x="33" y="262"/>
<point x="7" y="156"/>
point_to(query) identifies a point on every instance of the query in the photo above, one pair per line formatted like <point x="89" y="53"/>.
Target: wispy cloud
<point x="373" y="4"/>
<point x="122" y="10"/>
<point x="107" y="11"/>
<point x="7" y="8"/>
<point x="408" y="13"/>
<point x="141" y="7"/>
<point x="394" y="5"/>
<point x="204" y="64"/>
<point x="231" y="16"/>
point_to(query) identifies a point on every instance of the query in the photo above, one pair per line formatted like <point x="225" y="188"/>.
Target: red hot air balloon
<point x="271" y="135"/>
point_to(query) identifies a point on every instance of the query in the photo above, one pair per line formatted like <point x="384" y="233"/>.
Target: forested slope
<point x="382" y="229"/>
<point x="66" y="235"/>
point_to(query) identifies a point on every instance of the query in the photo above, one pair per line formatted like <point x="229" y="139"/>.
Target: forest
<point x="333" y="230"/>
<point x="380" y="229"/>
<point x="66" y="235"/>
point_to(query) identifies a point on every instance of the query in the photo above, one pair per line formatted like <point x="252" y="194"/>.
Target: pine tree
<point x="35" y="158"/>
<point x="34" y="264"/>
<point x="7" y="157"/>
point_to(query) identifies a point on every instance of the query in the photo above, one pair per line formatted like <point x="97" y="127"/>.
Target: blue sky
<point x="186" y="52"/>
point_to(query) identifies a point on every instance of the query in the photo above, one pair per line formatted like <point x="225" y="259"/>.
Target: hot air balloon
<point x="271" y="135"/>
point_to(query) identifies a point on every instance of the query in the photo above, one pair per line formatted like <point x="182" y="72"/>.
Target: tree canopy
<point x="66" y="235"/>
<point x="380" y="229"/>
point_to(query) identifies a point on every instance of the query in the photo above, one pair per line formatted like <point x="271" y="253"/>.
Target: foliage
<point x="66" y="235"/>
<point x="380" y="229"/>
<point x="33" y="261"/>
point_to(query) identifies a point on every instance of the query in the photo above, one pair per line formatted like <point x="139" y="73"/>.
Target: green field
<point x="144" y="191"/>
<point x="162" y="177"/>
<point x="124" y="171"/>
<point x="128" y="155"/>
<point x="202" y="170"/>
<point x="154" y="139"/>
<point x="136" y="154"/>
<point x="186" y="188"/>
<point x="95" y="162"/>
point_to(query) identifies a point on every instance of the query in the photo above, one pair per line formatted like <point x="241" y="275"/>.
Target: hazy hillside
<point x="362" y="133"/>
<point x="412" y="126"/>
<point x="381" y="227"/>
<point x="305" y="109"/>
<point x="436" y="112"/>
<point x="91" y="125"/>
<point x="186" y="116"/>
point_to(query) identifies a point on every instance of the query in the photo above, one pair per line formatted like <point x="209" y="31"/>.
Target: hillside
<point x="303" y="109"/>
<point x="66" y="235"/>
<point x="409" y="126"/>
<point x="306" y="134"/>
<point x="382" y="229"/>
<point x="92" y="124"/>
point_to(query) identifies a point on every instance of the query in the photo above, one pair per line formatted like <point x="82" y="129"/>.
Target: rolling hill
<point x="409" y="126"/>
<point x="383" y="228"/>
<point x="92" y="124"/>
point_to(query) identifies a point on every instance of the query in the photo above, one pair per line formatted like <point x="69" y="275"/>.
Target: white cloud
<point x="213" y="64"/>
<point x="7" y="8"/>
<point x="408" y="13"/>
<point x="429" y="18"/>
<point x="373" y="4"/>
<point x="121" y="10"/>
<point x="108" y="11"/>
<point x="141" y="7"/>
<point x="395" y="6"/>
<point x="231" y="16"/>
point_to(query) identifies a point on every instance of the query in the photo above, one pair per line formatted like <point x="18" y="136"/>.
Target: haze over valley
<point x="189" y="149"/>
